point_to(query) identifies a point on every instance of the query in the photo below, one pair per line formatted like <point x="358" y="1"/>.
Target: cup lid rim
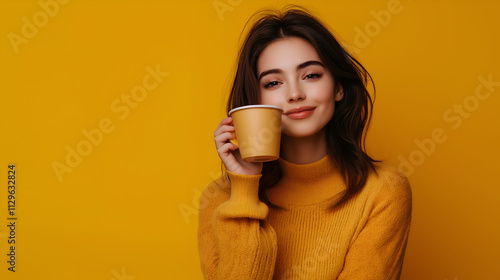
<point x="254" y="106"/>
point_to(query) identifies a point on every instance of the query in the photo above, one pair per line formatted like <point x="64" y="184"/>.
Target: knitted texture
<point x="240" y="237"/>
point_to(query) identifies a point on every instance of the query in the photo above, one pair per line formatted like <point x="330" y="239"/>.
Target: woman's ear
<point x="340" y="94"/>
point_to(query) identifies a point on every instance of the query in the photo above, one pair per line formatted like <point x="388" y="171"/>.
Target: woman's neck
<point x="304" y="149"/>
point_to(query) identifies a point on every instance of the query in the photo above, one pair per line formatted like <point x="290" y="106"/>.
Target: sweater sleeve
<point x="377" y="252"/>
<point x="234" y="239"/>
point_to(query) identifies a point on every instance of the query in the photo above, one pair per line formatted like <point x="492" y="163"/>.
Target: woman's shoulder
<point x="389" y="182"/>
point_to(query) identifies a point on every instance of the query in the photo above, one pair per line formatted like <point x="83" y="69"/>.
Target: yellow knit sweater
<point x="240" y="237"/>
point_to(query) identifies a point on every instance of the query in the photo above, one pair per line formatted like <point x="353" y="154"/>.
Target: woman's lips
<point x="300" y="113"/>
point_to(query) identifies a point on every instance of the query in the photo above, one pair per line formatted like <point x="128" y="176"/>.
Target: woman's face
<point x="292" y="76"/>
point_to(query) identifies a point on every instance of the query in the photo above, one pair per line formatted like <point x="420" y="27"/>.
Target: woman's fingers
<point x="221" y="139"/>
<point x="223" y="123"/>
<point x="223" y="133"/>
<point x="223" y="129"/>
<point x="226" y="149"/>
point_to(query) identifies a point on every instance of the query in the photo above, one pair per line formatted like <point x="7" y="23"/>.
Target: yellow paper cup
<point x="258" y="132"/>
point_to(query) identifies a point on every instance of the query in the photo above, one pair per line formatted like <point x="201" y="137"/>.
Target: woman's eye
<point x="313" y="76"/>
<point x="271" y="84"/>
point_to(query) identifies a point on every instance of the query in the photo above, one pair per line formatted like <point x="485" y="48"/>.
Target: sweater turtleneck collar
<point x="308" y="172"/>
<point x="306" y="184"/>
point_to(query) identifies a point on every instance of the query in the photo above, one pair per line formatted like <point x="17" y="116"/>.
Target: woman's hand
<point x="229" y="153"/>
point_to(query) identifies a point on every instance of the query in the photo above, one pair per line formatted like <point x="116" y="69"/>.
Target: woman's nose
<point x="295" y="93"/>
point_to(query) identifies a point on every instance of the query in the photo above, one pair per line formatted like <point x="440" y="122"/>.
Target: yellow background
<point x="128" y="209"/>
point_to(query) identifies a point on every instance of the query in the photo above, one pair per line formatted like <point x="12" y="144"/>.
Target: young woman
<point x="325" y="209"/>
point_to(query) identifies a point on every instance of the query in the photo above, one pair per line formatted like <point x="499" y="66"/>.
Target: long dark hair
<point x="345" y="135"/>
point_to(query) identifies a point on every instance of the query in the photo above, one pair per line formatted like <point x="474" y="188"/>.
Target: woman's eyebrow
<point x="267" y="72"/>
<point x="310" y="62"/>
<point x="300" y="66"/>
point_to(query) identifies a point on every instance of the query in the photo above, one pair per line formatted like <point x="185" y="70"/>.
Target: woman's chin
<point x="296" y="133"/>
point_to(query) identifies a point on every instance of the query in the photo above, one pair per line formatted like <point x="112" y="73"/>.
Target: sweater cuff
<point x="244" y="188"/>
<point x="244" y="200"/>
